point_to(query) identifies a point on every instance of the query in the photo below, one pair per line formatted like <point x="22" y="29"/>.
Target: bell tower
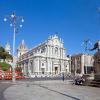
<point x="21" y="49"/>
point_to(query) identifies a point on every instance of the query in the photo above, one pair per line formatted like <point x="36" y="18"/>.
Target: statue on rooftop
<point x="96" y="46"/>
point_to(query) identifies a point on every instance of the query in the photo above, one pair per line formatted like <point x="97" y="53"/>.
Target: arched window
<point x="42" y="64"/>
<point x="43" y="49"/>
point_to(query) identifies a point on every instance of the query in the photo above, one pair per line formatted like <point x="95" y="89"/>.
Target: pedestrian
<point x="63" y="77"/>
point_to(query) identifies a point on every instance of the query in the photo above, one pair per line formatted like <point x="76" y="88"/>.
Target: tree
<point x="2" y="49"/>
<point x="8" y="56"/>
<point x="4" y="55"/>
<point x="5" y="66"/>
<point x="18" y="69"/>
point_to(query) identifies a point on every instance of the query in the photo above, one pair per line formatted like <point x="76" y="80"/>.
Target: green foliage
<point x="2" y="49"/>
<point x="18" y="69"/>
<point x="4" y="55"/>
<point x="8" y="56"/>
<point x="5" y="66"/>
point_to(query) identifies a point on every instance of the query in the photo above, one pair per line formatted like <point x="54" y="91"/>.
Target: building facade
<point x="47" y="58"/>
<point x="97" y="60"/>
<point x="82" y="63"/>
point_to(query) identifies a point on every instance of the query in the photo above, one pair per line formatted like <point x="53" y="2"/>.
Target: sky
<point x="74" y="20"/>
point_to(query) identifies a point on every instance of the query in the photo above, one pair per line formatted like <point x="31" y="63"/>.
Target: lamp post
<point x="14" y="23"/>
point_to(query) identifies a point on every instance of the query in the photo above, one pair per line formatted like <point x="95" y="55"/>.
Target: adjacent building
<point x="97" y="60"/>
<point x="82" y="63"/>
<point x="47" y="58"/>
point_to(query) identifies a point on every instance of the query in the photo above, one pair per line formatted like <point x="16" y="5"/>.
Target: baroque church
<point x="47" y="58"/>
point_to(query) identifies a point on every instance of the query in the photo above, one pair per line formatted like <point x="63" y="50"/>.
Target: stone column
<point x="28" y="66"/>
<point x="46" y="64"/>
<point x="22" y="66"/>
<point x="82" y="64"/>
<point x="24" y="69"/>
<point x="52" y="69"/>
<point x="48" y="53"/>
<point x="39" y="66"/>
<point x="52" y="50"/>
<point x="62" y="66"/>
<point x="49" y="65"/>
<point x="58" y="52"/>
<point x="32" y="66"/>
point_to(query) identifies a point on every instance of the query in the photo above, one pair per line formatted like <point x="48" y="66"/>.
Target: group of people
<point x="78" y="79"/>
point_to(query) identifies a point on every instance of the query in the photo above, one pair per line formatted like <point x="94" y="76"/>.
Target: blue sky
<point x="74" y="20"/>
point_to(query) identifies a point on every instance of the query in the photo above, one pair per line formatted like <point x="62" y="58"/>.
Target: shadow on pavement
<point x="3" y="87"/>
<point x="74" y="98"/>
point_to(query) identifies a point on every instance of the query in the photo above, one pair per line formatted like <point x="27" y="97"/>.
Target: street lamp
<point x="14" y="23"/>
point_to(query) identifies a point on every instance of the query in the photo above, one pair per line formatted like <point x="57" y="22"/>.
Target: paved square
<point x="51" y="90"/>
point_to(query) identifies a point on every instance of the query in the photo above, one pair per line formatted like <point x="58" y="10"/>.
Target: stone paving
<point x="50" y="90"/>
<point x="3" y="87"/>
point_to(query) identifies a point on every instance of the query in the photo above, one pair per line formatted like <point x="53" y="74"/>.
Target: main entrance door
<point x="56" y="70"/>
<point x="43" y="70"/>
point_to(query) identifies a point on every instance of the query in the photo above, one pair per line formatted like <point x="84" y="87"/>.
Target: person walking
<point x="63" y="78"/>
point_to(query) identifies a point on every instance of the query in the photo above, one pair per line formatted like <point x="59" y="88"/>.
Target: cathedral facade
<point x="47" y="58"/>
